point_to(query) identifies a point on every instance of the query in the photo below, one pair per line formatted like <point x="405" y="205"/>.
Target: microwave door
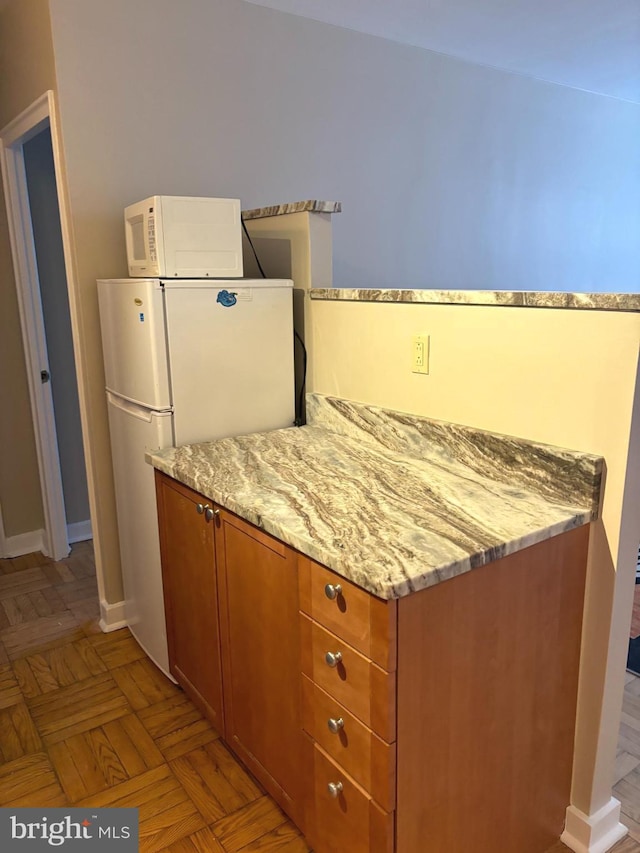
<point x="141" y="220"/>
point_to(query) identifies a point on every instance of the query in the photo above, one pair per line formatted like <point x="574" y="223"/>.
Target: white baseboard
<point x="24" y="543"/>
<point x="594" y="833"/>
<point x="34" y="540"/>
<point x="79" y="531"/>
<point x="111" y="616"/>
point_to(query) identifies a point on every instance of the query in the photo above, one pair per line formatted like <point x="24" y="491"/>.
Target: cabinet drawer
<point x="349" y="821"/>
<point x="366" y="690"/>
<point x="364" y="621"/>
<point x="366" y="757"/>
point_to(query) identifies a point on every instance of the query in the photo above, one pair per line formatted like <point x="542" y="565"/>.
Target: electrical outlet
<point x="420" y="354"/>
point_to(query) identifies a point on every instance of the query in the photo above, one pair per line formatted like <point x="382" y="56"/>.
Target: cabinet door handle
<point x="335" y="788"/>
<point x="199" y="508"/>
<point x="211" y="513"/>
<point x="333" y="658"/>
<point x="332" y="590"/>
<point x="335" y="725"/>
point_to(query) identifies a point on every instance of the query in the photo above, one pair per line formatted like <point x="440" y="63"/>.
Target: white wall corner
<point x="25" y="543"/>
<point x="594" y="833"/>
<point x="111" y="616"/>
<point x="321" y="249"/>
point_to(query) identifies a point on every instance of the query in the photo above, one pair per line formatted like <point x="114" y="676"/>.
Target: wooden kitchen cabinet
<point x="473" y="747"/>
<point x="349" y="687"/>
<point x="191" y="594"/>
<point x="231" y="601"/>
<point x="441" y="721"/>
<point x="258" y="594"/>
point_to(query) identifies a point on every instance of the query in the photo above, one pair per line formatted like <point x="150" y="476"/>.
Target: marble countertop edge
<point x="393" y="502"/>
<point x="451" y="570"/>
<point x="344" y="564"/>
<point x="597" y="301"/>
<point x="310" y="205"/>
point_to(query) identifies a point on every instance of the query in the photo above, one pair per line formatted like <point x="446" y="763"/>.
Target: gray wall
<point x="43" y="200"/>
<point x="452" y="175"/>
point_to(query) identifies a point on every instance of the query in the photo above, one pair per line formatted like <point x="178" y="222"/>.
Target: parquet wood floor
<point x="86" y="719"/>
<point x="635" y="616"/>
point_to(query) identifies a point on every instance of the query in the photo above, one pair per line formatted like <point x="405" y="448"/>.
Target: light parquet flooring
<point x="87" y="720"/>
<point x="635" y="615"/>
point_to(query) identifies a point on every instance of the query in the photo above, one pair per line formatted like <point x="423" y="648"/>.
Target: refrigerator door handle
<point x="133" y="409"/>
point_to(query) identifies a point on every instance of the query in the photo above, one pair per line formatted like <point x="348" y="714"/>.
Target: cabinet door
<point x="190" y="595"/>
<point x="261" y="662"/>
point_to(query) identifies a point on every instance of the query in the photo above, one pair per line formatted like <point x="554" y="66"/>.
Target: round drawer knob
<point x="333" y="590"/>
<point x="335" y="725"/>
<point x="333" y="658"/>
<point x="335" y="788"/>
<point x="210" y="513"/>
<point x="199" y="508"/>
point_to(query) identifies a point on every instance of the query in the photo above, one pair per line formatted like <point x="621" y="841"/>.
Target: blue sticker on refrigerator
<point x="227" y="299"/>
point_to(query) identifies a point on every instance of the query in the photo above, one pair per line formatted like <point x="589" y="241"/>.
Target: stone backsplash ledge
<point x="559" y="475"/>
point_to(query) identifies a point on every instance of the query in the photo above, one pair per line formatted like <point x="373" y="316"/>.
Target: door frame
<point x="29" y="123"/>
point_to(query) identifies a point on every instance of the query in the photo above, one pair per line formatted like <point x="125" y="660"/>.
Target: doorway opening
<point x="54" y="300"/>
<point x="37" y="240"/>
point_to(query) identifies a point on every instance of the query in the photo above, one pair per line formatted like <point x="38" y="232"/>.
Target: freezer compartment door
<point x="133" y="341"/>
<point x="134" y="431"/>
<point x="230" y="358"/>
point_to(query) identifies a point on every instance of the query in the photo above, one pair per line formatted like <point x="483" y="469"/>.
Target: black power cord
<point x="299" y="421"/>
<point x="253" y="248"/>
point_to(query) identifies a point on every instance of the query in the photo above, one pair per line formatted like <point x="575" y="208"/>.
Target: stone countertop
<point x="311" y="205"/>
<point x="391" y="501"/>
<point x="506" y="298"/>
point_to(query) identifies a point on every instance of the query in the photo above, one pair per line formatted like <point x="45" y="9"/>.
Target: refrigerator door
<point x="133" y="341"/>
<point x="135" y="430"/>
<point x="230" y="356"/>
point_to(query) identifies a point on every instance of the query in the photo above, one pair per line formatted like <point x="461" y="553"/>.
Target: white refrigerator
<point x="186" y="360"/>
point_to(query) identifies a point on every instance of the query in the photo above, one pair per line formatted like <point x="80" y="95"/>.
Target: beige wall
<point x="26" y="71"/>
<point x="19" y="478"/>
<point x="26" y="56"/>
<point x="451" y="174"/>
<point x="558" y="376"/>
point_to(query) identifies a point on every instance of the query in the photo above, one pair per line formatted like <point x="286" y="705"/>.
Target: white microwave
<point x="184" y="237"/>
